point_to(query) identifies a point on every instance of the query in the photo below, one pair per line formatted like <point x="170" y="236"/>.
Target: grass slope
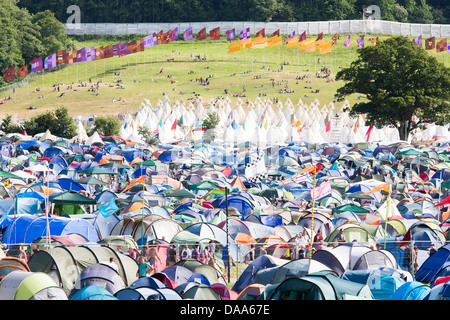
<point x="141" y="77"/>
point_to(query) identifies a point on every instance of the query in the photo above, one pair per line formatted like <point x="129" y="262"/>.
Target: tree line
<point x="25" y="35"/>
<point x="160" y="11"/>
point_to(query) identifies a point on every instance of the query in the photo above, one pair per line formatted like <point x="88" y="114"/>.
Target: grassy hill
<point x="172" y="69"/>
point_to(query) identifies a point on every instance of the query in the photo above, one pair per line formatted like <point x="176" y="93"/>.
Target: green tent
<point x="71" y="197"/>
<point x="91" y="180"/>
<point x="24" y="285"/>
<point x="182" y="193"/>
<point x="204" y="185"/>
<point x="5" y="174"/>
<point x="319" y="286"/>
<point x="349" y="207"/>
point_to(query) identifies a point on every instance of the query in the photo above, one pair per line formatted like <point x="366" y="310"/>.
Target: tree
<point x="211" y="121"/>
<point x="400" y="80"/>
<point x="58" y="122"/>
<point x="106" y="126"/>
<point x="7" y="125"/>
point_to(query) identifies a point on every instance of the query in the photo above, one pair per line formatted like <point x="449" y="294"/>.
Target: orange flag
<point x="385" y="187"/>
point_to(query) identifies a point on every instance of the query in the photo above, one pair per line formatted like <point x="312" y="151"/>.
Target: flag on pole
<point x="159" y="36"/>
<point x="174" y="126"/>
<point x="167" y="37"/>
<point x="441" y="46"/>
<point x="214" y="34"/>
<point x="108" y="52"/>
<point x="174" y="36"/>
<point x="261" y="32"/>
<point x="430" y="43"/>
<point x="245" y="34"/>
<point x="60" y="56"/>
<point x="347" y="41"/>
<point x="259" y="42"/>
<point x="187" y="34"/>
<point x="322" y="191"/>
<point x="108" y="208"/>
<point x="382" y="187"/>
<point x="320" y="36"/>
<point x="231" y="35"/>
<point x="275" y="41"/>
<point x="36" y="64"/>
<point x="302" y="36"/>
<point x="276" y="33"/>
<point x="361" y="42"/>
<point x="9" y="74"/>
<point x="201" y="34"/>
<point x="22" y="71"/>
<point x="374" y="40"/>
<point x="368" y="133"/>
<point x="334" y="39"/>
<point x="303" y="45"/>
<point x="99" y="53"/>
<point x="291" y="35"/>
<point x="90" y="54"/>
<point x="292" y="42"/>
<point x="235" y="46"/>
<point x="325" y="48"/>
<point x="418" y="41"/>
<point x="328" y="128"/>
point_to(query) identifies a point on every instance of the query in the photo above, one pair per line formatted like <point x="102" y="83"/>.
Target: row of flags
<point x="245" y="41"/>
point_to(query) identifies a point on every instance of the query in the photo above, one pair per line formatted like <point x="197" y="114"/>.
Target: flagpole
<point x="228" y="243"/>
<point x="312" y="213"/>
<point x="143" y="188"/>
<point x="387" y="214"/>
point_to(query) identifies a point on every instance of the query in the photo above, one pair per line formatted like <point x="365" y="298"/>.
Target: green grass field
<point x="141" y="77"/>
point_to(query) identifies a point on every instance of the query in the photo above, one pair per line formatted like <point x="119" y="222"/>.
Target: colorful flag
<point x="9" y="74"/>
<point x="320" y="36"/>
<point x="201" y="34"/>
<point x="108" y="208"/>
<point x="374" y="40"/>
<point x="90" y="54"/>
<point x="247" y="43"/>
<point x="368" y="132"/>
<point x="22" y="71"/>
<point x="108" y="52"/>
<point x="291" y="35"/>
<point x="303" y="45"/>
<point x="328" y="128"/>
<point x="382" y="187"/>
<point x="321" y="191"/>
<point x="214" y="34"/>
<point x="302" y="36"/>
<point x="231" y="35"/>
<point x="60" y="56"/>
<point x="99" y="53"/>
<point x="261" y="32"/>
<point x="187" y="34"/>
<point x="259" y="42"/>
<point x="275" y="41"/>
<point x="325" y="48"/>
<point x="361" y="42"/>
<point x="116" y="49"/>
<point x="245" y="34"/>
<point x="159" y="36"/>
<point x="174" y="34"/>
<point x="292" y="42"/>
<point x="174" y="126"/>
<point x="167" y="37"/>
<point x="140" y="45"/>
<point x="441" y="46"/>
<point x="276" y="33"/>
<point x="71" y="56"/>
<point x="430" y="43"/>
<point x="235" y="46"/>
<point x="334" y="40"/>
<point x="83" y="54"/>
<point x="418" y="41"/>
<point x="123" y="49"/>
<point x="50" y="61"/>
<point x="36" y="64"/>
<point x="347" y="41"/>
<point x="132" y="47"/>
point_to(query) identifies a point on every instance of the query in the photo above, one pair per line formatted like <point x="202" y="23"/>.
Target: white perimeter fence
<point x="327" y="27"/>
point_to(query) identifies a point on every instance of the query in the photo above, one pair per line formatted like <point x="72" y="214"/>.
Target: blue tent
<point x="26" y="228"/>
<point x="93" y="293"/>
<point x="247" y="277"/>
<point x="413" y="290"/>
<point x="239" y="202"/>
<point x="431" y="267"/>
<point x="59" y="161"/>
<point x="52" y="152"/>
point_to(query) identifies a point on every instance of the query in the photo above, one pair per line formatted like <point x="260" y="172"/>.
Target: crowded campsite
<point x="281" y="201"/>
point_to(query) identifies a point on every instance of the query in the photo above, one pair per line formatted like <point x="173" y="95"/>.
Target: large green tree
<point x="400" y="80"/>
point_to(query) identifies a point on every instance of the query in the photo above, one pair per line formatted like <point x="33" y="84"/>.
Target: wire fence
<point x="311" y="28"/>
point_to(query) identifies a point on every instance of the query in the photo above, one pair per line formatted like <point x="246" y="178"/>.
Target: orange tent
<point x="244" y="238"/>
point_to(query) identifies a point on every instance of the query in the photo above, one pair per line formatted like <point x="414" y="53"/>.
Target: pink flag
<point x="368" y="133"/>
<point x="322" y="190"/>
